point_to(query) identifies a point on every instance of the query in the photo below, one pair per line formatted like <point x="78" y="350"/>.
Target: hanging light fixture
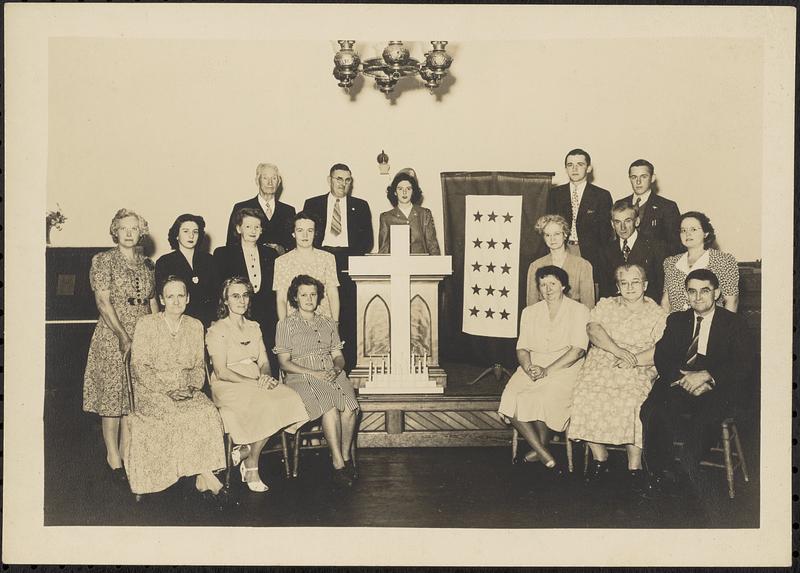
<point x="396" y="63"/>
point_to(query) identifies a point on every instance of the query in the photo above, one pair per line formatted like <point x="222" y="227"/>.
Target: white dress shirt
<point x="264" y="203"/>
<point x="330" y="239"/>
<point x="631" y="240"/>
<point x="642" y="198"/>
<point x="705" y="328"/>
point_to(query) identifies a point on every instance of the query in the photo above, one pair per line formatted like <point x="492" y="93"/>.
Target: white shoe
<point x="256" y="486"/>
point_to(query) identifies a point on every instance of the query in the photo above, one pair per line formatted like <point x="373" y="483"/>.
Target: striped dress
<point x="310" y="344"/>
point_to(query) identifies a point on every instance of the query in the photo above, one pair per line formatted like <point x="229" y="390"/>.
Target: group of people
<point x="631" y="336"/>
<point x="269" y="304"/>
<point x="269" y="319"/>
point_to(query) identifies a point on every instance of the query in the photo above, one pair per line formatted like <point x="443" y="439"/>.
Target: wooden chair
<point x="556" y="439"/>
<point x="229" y="445"/>
<point x="731" y="459"/>
<point x="303" y="441"/>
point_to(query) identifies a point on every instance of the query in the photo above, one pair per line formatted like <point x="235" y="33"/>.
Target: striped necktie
<point x="691" y="353"/>
<point x="336" y="221"/>
<point x="626" y="250"/>
<point x="268" y="211"/>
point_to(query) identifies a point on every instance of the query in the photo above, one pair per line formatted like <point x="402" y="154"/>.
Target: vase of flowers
<point x="55" y="219"/>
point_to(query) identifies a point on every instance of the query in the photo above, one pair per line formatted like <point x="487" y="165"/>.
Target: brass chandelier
<point x="396" y="63"/>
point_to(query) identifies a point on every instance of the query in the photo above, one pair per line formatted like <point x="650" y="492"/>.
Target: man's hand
<point x="278" y="248"/>
<point x="694" y="382"/>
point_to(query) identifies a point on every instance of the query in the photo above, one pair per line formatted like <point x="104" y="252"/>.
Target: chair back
<point x="126" y="363"/>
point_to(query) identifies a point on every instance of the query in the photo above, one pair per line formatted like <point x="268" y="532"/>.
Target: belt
<point x="134" y="301"/>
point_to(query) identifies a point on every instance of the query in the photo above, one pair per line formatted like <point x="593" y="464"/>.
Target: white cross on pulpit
<point x="400" y="266"/>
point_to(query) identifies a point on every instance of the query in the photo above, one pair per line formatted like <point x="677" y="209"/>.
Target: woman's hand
<point x="181" y="394"/>
<point x="266" y="382"/>
<point x="625" y="358"/>
<point x="535" y="372"/>
<point x="332" y="374"/>
<point x="125" y="344"/>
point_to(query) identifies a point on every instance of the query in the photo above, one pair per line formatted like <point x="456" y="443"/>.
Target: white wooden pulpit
<point x="398" y="314"/>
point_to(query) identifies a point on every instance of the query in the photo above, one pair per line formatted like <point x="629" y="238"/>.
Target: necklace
<point x="172" y="333"/>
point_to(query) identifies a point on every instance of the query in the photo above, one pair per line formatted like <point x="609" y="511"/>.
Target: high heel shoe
<point x="236" y="453"/>
<point x="256" y="486"/>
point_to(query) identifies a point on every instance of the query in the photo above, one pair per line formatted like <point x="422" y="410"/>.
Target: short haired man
<point x="345" y="229"/>
<point x="630" y="247"/>
<point x="659" y="218"/>
<point x="585" y="206"/>
<point x="277" y="216"/>
<point x="703" y="360"/>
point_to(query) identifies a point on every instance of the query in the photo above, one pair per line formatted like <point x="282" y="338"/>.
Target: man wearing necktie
<point x="703" y="360"/>
<point x="278" y="216"/>
<point x="344" y="229"/>
<point x="659" y="217"/>
<point x="585" y="207"/>
<point x="630" y="247"/>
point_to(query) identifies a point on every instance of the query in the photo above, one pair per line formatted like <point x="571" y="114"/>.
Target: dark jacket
<point x="359" y="225"/>
<point x="660" y="219"/>
<point x="647" y="252"/>
<point x="277" y="230"/>
<point x="201" y="282"/>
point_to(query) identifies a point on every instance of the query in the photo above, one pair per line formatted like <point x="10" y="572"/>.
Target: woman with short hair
<point x="405" y="196"/>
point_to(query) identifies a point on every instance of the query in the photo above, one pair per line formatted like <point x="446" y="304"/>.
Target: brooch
<point x="195" y="280"/>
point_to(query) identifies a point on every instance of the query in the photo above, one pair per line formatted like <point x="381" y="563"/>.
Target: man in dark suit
<point x="344" y="229"/>
<point x="278" y="217"/>
<point x="586" y="208"/>
<point x="659" y="218"/>
<point x="703" y="360"/>
<point x="630" y="247"/>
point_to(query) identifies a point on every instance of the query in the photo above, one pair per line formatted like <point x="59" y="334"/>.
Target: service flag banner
<point x="491" y="265"/>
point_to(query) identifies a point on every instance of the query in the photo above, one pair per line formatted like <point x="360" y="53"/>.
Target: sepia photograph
<point x="513" y="285"/>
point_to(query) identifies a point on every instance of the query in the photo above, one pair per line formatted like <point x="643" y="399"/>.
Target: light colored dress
<point x="310" y="343"/>
<point x="250" y="413"/>
<point x="581" y="279"/>
<point x="607" y="398"/>
<point x="170" y="439"/>
<point x="676" y="268"/>
<point x="131" y="287"/>
<point x="548" y="399"/>
<point x="322" y="267"/>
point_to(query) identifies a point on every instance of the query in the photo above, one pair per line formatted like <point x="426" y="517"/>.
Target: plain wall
<point x="178" y="125"/>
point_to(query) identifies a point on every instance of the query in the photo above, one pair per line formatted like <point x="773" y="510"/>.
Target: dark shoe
<point x="352" y="469"/>
<point x="556" y="472"/>
<point x="637" y="480"/>
<point x="119" y="476"/>
<point x="662" y="485"/>
<point x="598" y="472"/>
<point x="341" y="478"/>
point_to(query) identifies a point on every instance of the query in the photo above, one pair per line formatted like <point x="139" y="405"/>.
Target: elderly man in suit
<point x="630" y="247"/>
<point x="278" y="216"/>
<point x="586" y="208"/>
<point x="659" y="217"/>
<point x="345" y="229"/>
<point x="703" y="360"/>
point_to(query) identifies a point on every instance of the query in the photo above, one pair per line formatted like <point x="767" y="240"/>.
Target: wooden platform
<point x="431" y="421"/>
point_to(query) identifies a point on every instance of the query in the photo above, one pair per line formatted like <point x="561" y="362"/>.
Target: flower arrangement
<point x="54" y="219"/>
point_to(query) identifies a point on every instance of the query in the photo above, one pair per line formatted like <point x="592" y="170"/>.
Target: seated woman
<point x="310" y="353"/>
<point x="555" y="230"/>
<point x="552" y="343"/>
<point x="618" y="373"/>
<point x="405" y="196"/>
<point x="697" y="235"/>
<point x="196" y="268"/>
<point x="252" y="403"/>
<point x="175" y="430"/>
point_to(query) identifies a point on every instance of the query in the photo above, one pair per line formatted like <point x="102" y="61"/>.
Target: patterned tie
<point x="638" y="202"/>
<point x="575" y="205"/>
<point x="268" y="211"/>
<point x="626" y="250"/>
<point x="691" y="353"/>
<point x="336" y="222"/>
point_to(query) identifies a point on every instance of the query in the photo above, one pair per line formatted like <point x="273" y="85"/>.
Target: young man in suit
<point x="586" y="208"/>
<point x="278" y="216"/>
<point x="703" y="360"/>
<point x="630" y="247"/>
<point x="659" y="218"/>
<point x="344" y="229"/>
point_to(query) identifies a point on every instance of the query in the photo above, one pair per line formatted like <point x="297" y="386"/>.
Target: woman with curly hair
<point x="405" y="196"/>
<point x="123" y="282"/>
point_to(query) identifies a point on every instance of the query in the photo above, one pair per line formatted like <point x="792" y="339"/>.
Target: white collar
<point x="642" y="198"/>
<point x="631" y="239"/>
<point x="579" y="186"/>
<point x="683" y="262"/>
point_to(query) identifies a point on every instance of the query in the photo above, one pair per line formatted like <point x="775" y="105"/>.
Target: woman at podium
<point x="550" y="349"/>
<point x="123" y="282"/>
<point x="405" y="196"/>
<point x="310" y="353"/>
<point x="196" y="268"/>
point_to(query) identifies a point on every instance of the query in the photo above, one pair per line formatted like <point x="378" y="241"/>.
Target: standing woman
<point x="405" y="196"/>
<point x="256" y="262"/>
<point x="253" y="405"/>
<point x="304" y="259"/>
<point x="123" y="282"/>
<point x="193" y="266"/>
<point x="697" y="236"/>
<point x="555" y="230"/>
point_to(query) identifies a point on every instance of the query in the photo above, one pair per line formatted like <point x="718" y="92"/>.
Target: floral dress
<point x="322" y="266"/>
<point x="607" y="398"/>
<point x="170" y="439"/>
<point x="131" y="285"/>
<point x="676" y="268"/>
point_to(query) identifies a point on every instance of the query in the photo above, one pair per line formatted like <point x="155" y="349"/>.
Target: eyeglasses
<point x="343" y="180"/>
<point x="237" y="297"/>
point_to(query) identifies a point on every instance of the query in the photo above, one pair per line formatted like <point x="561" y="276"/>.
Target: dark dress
<point x="201" y="281"/>
<point x="230" y="262"/>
